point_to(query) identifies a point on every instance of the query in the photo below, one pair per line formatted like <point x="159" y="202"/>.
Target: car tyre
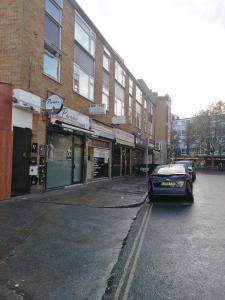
<point x="190" y="198"/>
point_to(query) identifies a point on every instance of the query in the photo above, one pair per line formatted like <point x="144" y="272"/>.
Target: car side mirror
<point x="190" y="169"/>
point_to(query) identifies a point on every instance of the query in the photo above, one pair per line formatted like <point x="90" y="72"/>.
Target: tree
<point x="189" y="137"/>
<point x="207" y="129"/>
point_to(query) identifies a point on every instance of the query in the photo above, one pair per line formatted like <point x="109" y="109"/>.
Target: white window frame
<point x="50" y="49"/>
<point x="138" y="115"/>
<point x="90" y="86"/>
<point x="130" y="109"/>
<point x="91" y="35"/>
<point x="120" y="74"/>
<point x="118" y="99"/>
<point x="131" y="86"/>
<point x="57" y="57"/>
<point x="138" y="95"/>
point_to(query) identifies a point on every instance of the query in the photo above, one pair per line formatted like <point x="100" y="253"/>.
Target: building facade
<point x="179" y="126"/>
<point x="52" y="53"/>
<point x="163" y="129"/>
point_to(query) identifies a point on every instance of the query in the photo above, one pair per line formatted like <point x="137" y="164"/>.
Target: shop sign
<point x="124" y="136"/>
<point x="73" y="117"/>
<point x="26" y="100"/>
<point x="97" y="109"/>
<point x="102" y="130"/>
<point x="119" y="120"/>
<point x="54" y="104"/>
<point x="140" y="142"/>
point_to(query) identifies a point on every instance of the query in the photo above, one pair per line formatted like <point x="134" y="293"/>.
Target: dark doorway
<point x="21" y="161"/>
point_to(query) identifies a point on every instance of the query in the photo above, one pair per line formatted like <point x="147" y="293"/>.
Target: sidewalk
<point x="123" y="192"/>
<point x="63" y="244"/>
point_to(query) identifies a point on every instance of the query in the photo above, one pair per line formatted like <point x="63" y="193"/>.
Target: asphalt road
<point x="176" y="250"/>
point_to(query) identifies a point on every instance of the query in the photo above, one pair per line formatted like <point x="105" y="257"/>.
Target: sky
<point x="176" y="46"/>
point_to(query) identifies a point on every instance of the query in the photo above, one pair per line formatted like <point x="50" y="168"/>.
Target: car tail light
<point x="149" y="187"/>
<point x="188" y="185"/>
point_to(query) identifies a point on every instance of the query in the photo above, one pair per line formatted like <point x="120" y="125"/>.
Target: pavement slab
<point x="61" y="244"/>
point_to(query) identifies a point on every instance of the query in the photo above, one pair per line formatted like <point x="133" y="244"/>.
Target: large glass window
<point x="83" y="83"/>
<point x="51" y="65"/>
<point x="106" y="62"/>
<point x="51" y="60"/>
<point x="120" y="74"/>
<point x="130" y="110"/>
<point x="84" y="35"/>
<point x="83" y="76"/>
<point x="52" y="32"/>
<point x="138" y="95"/>
<point x="105" y="90"/>
<point x="138" y="115"/>
<point x="53" y="10"/>
<point x="131" y="84"/>
<point x="119" y="100"/>
<point x="145" y="121"/>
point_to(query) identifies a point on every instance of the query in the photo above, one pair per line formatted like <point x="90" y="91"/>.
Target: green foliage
<point x="207" y="129"/>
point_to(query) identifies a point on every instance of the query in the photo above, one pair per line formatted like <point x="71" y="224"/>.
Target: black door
<point x="21" y="161"/>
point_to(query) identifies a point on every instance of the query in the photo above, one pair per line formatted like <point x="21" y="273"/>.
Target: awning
<point x="71" y="128"/>
<point x="75" y="128"/>
<point x="118" y="141"/>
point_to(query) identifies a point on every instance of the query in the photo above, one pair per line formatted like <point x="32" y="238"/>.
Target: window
<point x="138" y="115"/>
<point x="51" y="65"/>
<point x="119" y="100"/>
<point x="83" y="76"/>
<point x="145" y="121"/>
<point x="130" y="111"/>
<point x="120" y="74"/>
<point x="84" y="35"/>
<point x="83" y="84"/>
<point x="145" y="103"/>
<point x="105" y="90"/>
<point x="131" y="83"/>
<point x="106" y="59"/>
<point x="51" y="60"/>
<point x="53" y="10"/>
<point x="138" y="95"/>
<point x="106" y="62"/>
<point x="150" y="129"/>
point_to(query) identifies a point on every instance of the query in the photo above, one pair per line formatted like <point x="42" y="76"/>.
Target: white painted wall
<point x="21" y="118"/>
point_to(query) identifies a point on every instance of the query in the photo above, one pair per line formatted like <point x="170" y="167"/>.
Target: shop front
<point x="66" y="138"/>
<point x="99" y="151"/>
<point x="25" y="106"/>
<point x="122" y="153"/>
<point x="139" y="155"/>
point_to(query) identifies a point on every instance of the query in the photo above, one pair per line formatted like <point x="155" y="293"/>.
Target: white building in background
<point x="179" y="128"/>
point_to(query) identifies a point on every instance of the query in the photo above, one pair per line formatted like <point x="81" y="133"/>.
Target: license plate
<point x="168" y="183"/>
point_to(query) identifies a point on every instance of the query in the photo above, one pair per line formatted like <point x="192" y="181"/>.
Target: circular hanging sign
<point x="54" y="104"/>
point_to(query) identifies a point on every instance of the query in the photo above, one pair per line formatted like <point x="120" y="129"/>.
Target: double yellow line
<point x="132" y="260"/>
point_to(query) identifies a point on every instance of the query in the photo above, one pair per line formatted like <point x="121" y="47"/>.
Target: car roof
<point x="186" y="162"/>
<point x="170" y="169"/>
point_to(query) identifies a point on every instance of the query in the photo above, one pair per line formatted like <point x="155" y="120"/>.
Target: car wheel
<point x="151" y="197"/>
<point x="190" y="198"/>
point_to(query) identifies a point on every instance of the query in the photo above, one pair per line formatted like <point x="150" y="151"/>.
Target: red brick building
<point x="52" y="48"/>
